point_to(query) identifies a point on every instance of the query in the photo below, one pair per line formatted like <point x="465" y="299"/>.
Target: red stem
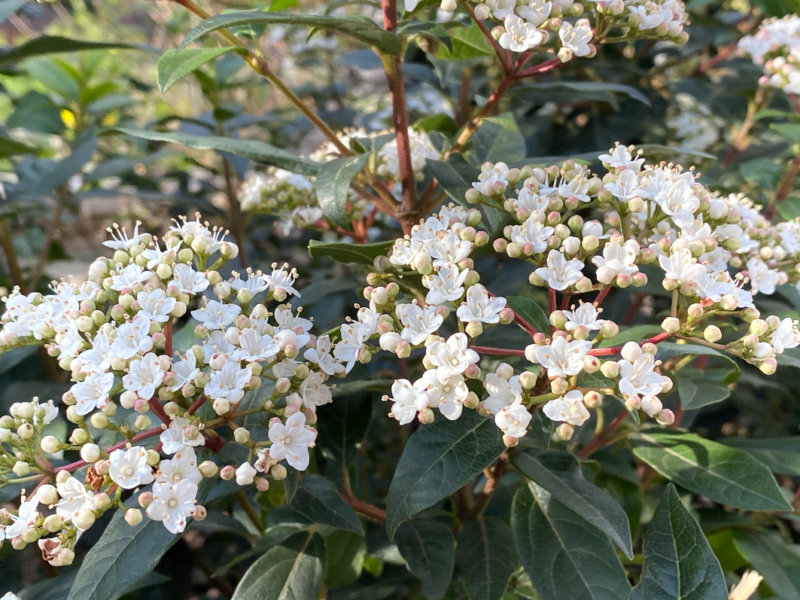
<point x="138" y="437"/>
<point x="196" y="405"/>
<point x="498" y="351"/>
<point x="544" y="67"/>
<point x="616" y="349"/>
<point x="601" y="295"/>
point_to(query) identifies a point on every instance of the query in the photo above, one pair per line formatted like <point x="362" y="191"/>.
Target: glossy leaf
<point x="362" y="29"/>
<point x="497" y="139"/>
<point x="318" y="499"/>
<point x="437" y="460"/>
<point x="454" y="176"/>
<point x="727" y="475"/>
<point x="563" y="555"/>
<point x="252" y="149"/>
<point x="293" y="570"/>
<point x="678" y="561"/>
<point x="345" y="553"/>
<point x="47" y="44"/>
<point x="699" y="388"/>
<point x="428" y="548"/>
<point x="531" y="311"/>
<point x="333" y="184"/>
<point x="777" y="560"/>
<point x="559" y="474"/>
<point x="781" y="455"/>
<point x="343" y="423"/>
<point x="343" y="252"/>
<point x="485" y="557"/>
<point x="175" y="64"/>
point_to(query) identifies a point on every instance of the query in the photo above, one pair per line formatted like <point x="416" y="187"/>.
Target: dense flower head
<point x="774" y="47"/>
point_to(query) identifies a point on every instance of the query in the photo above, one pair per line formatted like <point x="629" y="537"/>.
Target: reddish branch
<point x="498" y="351"/>
<point x="601" y="439"/>
<point x="138" y="437"/>
<point x="617" y="349"/>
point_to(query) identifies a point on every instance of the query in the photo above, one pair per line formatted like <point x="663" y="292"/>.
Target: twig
<point x="599" y="440"/>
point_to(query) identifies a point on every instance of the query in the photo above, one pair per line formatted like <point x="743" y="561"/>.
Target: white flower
<point x="520" y="35"/>
<point x="92" y="392"/>
<point x="480" y="307"/>
<point x="785" y="336"/>
<point x="560" y="273"/>
<point x="280" y="279"/>
<point x="189" y="281"/>
<point x="502" y="392"/>
<point x="637" y="376"/>
<point x="74" y="498"/>
<point x="532" y="232"/>
<point x="618" y="259"/>
<point x="501" y="8"/>
<point x="576" y="39"/>
<point x="626" y="186"/>
<point x="314" y="392"/>
<point x="183" y="465"/>
<point x="155" y="305"/>
<point x="144" y="376"/>
<point x="407" y="400"/>
<point x="762" y="279"/>
<point x="229" y="383"/>
<point x="445" y="393"/>
<point x="216" y="315"/>
<point x="583" y="316"/>
<point x="292" y="440"/>
<point x="451" y="357"/>
<point x="245" y="474"/>
<point x="620" y="158"/>
<point x="156" y="256"/>
<point x="180" y="433"/>
<point x="418" y="323"/>
<point x="513" y="420"/>
<point x="132" y="338"/>
<point x="256" y="347"/>
<point x="493" y="178"/>
<point x="446" y="285"/>
<point x="129" y="277"/>
<point x="50" y="412"/>
<point x="681" y="265"/>
<point x="129" y="468"/>
<point x="25" y="519"/>
<point x="254" y="283"/>
<point x="173" y="505"/>
<point x="120" y="240"/>
<point x="321" y="356"/>
<point x="185" y="371"/>
<point x="569" y="409"/>
<point x="535" y="12"/>
<point x="561" y="358"/>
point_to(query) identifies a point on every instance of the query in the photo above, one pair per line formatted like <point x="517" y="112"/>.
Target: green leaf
<point x="437" y="460"/>
<point x="362" y="29"/>
<point x="563" y="555"/>
<point x="454" y="176"/>
<point x="485" y="557"/>
<point x="497" y="139"/>
<point x="789" y="207"/>
<point x="318" y="499"/>
<point x="36" y="112"/>
<point x="428" y="548"/>
<point x="774" y="558"/>
<point x="724" y="474"/>
<point x="467" y="43"/>
<point x="293" y="570"/>
<point x="702" y="387"/>
<point x="333" y="184"/>
<point x="175" y="64"/>
<point x="342" y="424"/>
<point x="10" y="147"/>
<point x="678" y="562"/>
<point x="788" y="131"/>
<point x="653" y="151"/>
<point x="559" y="474"/>
<point x="531" y="311"/>
<point x="781" y="455"/>
<point x="47" y="44"/>
<point x="345" y="553"/>
<point x="121" y="556"/>
<point x="252" y="149"/>
<point x="591" y="88"/>
<point x="342" y="252"/>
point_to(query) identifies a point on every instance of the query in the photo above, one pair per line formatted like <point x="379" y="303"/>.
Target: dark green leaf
<point x="727" y="475"/>
<point x="362" y="29"/>
<point x="497" y="139"/>
<point x="318" y="499"/>
<point x="36" y="112"/>
<point x="788" y="131"/>
<point x="175" y="64"/>
<point x="437" y="460"/>
<point x="657" y="151"/>
<point x="454" y="176"/>
<point x="349" y="253"/>
<point x="345" y="553"/>
<point x="252" y="149"/>
<point x="781" y="455"/>
<point x="10" y="147"/>
<point x="563" y="555"/>
<point x="678" y="562"/>
<point x="485" y="557"/>
<point x="559" y="474"/>
<point x="579" y="88"/>
<point x="292" y="571"/>
<point x="777" y="560"/>
<point x="702" y="387"/>
<point x="333" y="184"/>
<point x="54" y="45"/>
<point x="467" y="42"/>
<point x="343" y="423"/>
<point x="428" y="547"/>
<point x="531" y="311"/>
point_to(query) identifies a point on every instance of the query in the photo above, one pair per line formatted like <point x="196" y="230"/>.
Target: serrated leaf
<point x="318" y="499"/>
<point x="343" y="252"/>
<point x="48" y="44"/>
<point x="333" y="184"/>
<point x="559" y="474"/>
<point x="678" y="561"/>
<point x="175" y="64"/>
<point x="724" y="474"/>
<point x="252" y="149"/>
<point x="531" y="311"/>
<point x="437" y="460"/>
<point x="361" y="29"/>
<point x="294" y="570"/>
<point x="563" y="555"/>
<point x="781" y="455"/>
<point x="485" y="557"/>
<point x="777" y="560"/>
<point x="428" y="548"/>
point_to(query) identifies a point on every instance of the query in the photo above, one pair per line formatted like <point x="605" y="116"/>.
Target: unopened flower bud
<point x="563" y="432"/>
<point x="426" y="416"/>
<point x="90" y="453"/>
<point x="21" y="468"/>
<point x="50" y="444"/>
<point x="610" y="369"/>
<point x="278" y="472"/>
<point x="53" y="523"/>
<point x="712" y="334"/>
<point x="559" y="386"/>
<point x="84" y="520"/>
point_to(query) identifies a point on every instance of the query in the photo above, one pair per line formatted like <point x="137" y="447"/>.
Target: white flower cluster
<point x="114" y="334"/>
<point x="693" y="123"/>
<point x="776" y="48"/>
<point x="287" y="195"/>
<point x="583" y="235"/>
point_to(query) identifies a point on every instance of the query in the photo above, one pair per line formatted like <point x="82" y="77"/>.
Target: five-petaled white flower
<point x="292" y="440"/>
<point x="174" y="504"/>
<point x="561" y="358"/>
<point x="560" y="273"/>
<point x="480" y="307"/>
<point x="129" y="468"/>
<point x="144" y="376"/>
<point x="569" y="409"/>
<point x="180" y="433"/>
